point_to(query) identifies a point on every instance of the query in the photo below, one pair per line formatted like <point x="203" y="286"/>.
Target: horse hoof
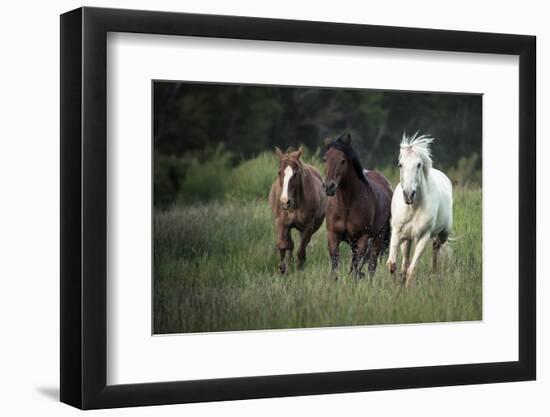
<point x="408" y="283"/>
<point x="360" y="275"/>
<point x="409" y="280"/>
<point x="283" y="269"/>
<point x="392" y="267"/>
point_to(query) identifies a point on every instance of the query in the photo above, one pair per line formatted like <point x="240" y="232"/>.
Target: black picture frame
<point x="84" y="207"/>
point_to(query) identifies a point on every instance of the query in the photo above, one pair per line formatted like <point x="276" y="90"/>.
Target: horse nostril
<point x="408" y="197"/>
<point x="330" y="188"/>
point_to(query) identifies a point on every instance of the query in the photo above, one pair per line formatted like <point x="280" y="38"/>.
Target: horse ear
<point x="296" y="154"/>
<point x="278" y="152"/>
<point x="347" y="139"/>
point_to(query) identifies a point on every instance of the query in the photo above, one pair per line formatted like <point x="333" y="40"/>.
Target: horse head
<point x="340" y="157"/>
<point x="290" y="177"/>
<point x="414" y="164"/>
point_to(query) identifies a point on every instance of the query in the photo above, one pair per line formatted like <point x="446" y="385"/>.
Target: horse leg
<point x="305" y="237"/>
<point x="387" y="236"/>
<point x="364" y="251"/>
<point x="290" y="247"/>
<point x="395" y="241"/>
<point x="334" y="251"/>
<point x="377" y="248"/>
<point x="405" y="253"/>
<point x="354" y="259"/>
<point x="419" y="247"/>
<point x="284" y="244"/>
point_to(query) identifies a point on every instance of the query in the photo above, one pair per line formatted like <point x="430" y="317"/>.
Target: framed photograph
<point x="257" y="208"/>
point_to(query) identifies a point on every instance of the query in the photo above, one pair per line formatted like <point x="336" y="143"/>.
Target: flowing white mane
<point x="419" y="145"/>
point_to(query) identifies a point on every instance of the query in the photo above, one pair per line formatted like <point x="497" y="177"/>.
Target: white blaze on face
<point x="286" y="179"/>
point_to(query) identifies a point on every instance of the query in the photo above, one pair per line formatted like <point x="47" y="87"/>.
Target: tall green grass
<point x="215" y="269"/>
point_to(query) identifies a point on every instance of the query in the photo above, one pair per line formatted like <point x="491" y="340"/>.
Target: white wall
<point x="29" y="237"/>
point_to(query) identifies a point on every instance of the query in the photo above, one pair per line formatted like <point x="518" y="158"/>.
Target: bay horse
<point x="358" y="207"/>
<point x="298" y="202"/>
<point x="422" y="205"/>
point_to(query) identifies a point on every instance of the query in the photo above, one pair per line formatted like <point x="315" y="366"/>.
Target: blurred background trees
<point x="223" y="126"/>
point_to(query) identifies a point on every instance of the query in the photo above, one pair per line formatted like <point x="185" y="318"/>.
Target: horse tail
<point x="447" y="249"/>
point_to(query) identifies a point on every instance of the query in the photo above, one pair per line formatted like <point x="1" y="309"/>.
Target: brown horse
<point x="297" y="201"/>
<point x="358" y="208"/>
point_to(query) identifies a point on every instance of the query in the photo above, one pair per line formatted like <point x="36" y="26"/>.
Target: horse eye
<point x="418" y="166"/>
<point x="399" y="165"/>
<point x="342" y="161"/>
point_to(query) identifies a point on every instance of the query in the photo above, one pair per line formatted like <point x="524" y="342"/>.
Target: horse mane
<point x="338" y="143"/>
<point x="419" y="145"/>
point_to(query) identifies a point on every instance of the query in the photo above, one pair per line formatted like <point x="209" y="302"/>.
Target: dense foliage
<point x="213" y="127"/>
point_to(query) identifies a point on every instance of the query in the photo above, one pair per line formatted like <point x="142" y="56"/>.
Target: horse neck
<point x="351" y="187"/>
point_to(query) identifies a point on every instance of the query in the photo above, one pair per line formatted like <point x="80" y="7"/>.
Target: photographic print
<point x="282" y="207"/>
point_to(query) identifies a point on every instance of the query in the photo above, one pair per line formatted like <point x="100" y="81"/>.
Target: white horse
<point x="422" y="205"/>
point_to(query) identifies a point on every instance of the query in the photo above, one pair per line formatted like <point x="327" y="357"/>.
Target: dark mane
<point x="338" y="143"/>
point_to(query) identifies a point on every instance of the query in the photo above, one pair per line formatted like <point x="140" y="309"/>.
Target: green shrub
<point x="252" y="178"/>
<point x="206" y="179"/>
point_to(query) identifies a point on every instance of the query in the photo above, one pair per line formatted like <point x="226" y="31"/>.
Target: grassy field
<point x="215" y="269"/>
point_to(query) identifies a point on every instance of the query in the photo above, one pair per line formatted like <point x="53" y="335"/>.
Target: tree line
<point x="202" y="130"/>
<point x="247" y="119"/>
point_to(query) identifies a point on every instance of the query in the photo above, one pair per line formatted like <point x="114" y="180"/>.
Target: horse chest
<point x="351" y="214"/>
<point x="350" y="227"/>
<point x="355" y="228"/>
<point x="295" y="218"/>
<point x="413" y="225"/>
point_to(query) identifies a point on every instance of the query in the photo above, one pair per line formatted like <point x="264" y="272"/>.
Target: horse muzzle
<point x="409" y="197"/>
<point x="330" y="188"/>
<point x="286" y="204"/>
